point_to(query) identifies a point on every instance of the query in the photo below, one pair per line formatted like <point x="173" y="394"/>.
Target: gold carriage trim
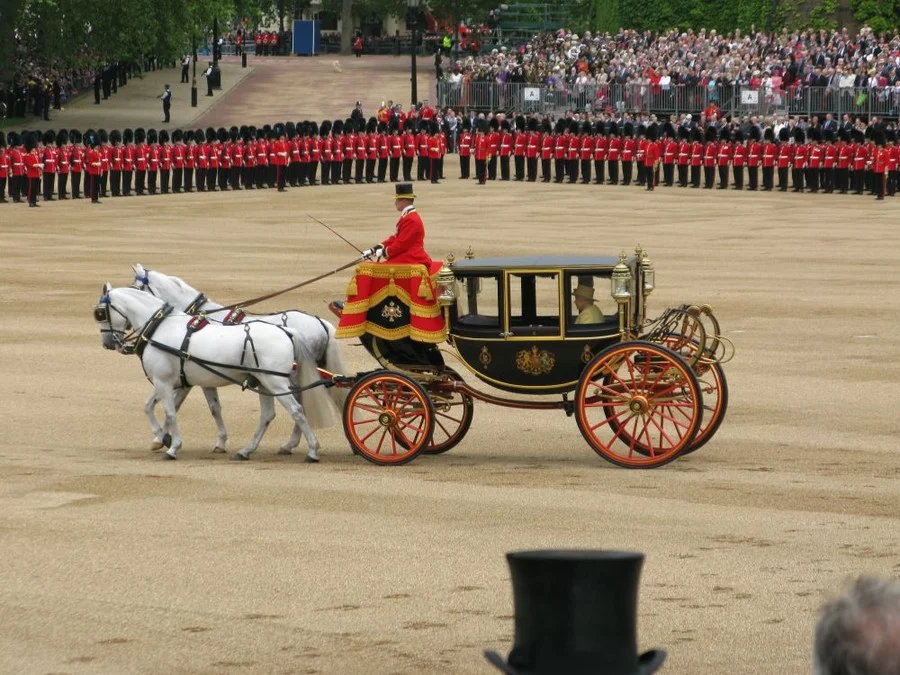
<point x="419" y="310"/>
<point x="369" y="328"/>
<point x="388" y="271"/>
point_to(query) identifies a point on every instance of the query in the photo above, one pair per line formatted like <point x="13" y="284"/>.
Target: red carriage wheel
<point x="452" y="417"/>
<point x="388" y="418"/>
<point x="638" y="404"/>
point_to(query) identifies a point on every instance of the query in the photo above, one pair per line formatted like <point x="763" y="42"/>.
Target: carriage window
<point x="534" y="301"/>
<point x="478" y="301"/>
<point x="589" y="300"/>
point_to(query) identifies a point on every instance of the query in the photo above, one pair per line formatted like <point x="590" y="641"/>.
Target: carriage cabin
<point x="530" y="323"/>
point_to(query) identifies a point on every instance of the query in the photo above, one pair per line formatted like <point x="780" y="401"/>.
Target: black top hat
<point x="404" y="191"/>
<point x="576" y="614"/>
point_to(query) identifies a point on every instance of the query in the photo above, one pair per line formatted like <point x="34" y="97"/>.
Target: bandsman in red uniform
<point x="738" y="158"/>
<point x="465" y="149"/>
<point x="520" y="143"/>
<point x="601" y="148"/>
<point x="754" y="157"/>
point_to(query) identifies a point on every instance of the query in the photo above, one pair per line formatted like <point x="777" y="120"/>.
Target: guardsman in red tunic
<point x="77" y="167"/>
<point x="422" y="151"/>
<point x="65" y="164"/>
<point x="236" y="151"/>
<point x="532" y="150"/>
<point x="814" y="163"/>
<point x="165" y="161"/>
<point x="683" y="159"/>
<point x="844" y="160"/>
<point x="640" y="148"/>
<point x="601" y="147"/>
<point x="190" y="160"/>
<point x="104" y="161"/>
<point x="586" y="151"/>
<point x="520" y="142"/>
<point x="893" y="162"/>
<point x="153" y="160"/>
<point x="224" y="150"/>
<point x="249" y="179"/>
<point x="754" y="157"/>
<point x="395" y="150"/>
<point x="573" y="153"/>
<point x="128" y="153"/>
<point x="829" y="162"/>
<point x="493" y="137"/>
<point x="49" y="159"/>
<point x="410" y="145"/>
<point x="384" y="151"/>
<point x="769" y="159"/>
<point x="560" y="149"/>
<point x="481" y="151"/>
<point x="710" y="155"/>
<point x="280" y="154"/>
<point x="783" y="161"/>
<point x="4" y="168"/>
<point x="860" y="159"/>
<point x="178" y="154"/>
<point x="547" y="149"/>
<point x="17" y="186"/>
<point x="33" y="168"/>
<point x="798" y="165"/>
<point x="505" y="149"/>
<point x="465" y="149"/>
<point x="359" y="155"/>
<point x="612" y="156"/>
<point x="697" y="152"/>
<point x="652" y="155"/>
<point x="723" y="157"/>
<point x="93" y="165"/>
<point x="434" y="151"/>
<point x="669" y="155"/>
<point x="880" y="163"/>
<point x="738" y="158"/>
<point x="407" y="246"/>
<point x="628" y="148"/>
<point x="141" y="161"/>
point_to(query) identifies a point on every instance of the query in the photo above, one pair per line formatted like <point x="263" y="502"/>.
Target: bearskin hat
<point x="755" y="133"/>
<point x="104" y="137"/>
<point x="614" y="129"/>
<point x="828" y="135"/>
<point x="233" y="134"/>
<point x="466" y="124"/>
<point x="504" y="125"/>
<point x="531" y="124"/>
<point x="891" y="135"/>
<point x="337" y="127"/>
<point x="245" y="133"/>
<point x="546" y="127"/>
<point x="641" y="130"/>
<point x="325" y="128"/>
<point x="696" y="135"/>
<point x="221" y="135"/>
<point x="189" y="136"/>
<point x="209" y="134"/>
<point x="13" y="139"/>
<point x="381" y="128"/>
<point x="652" y="132"/>
<point x="140" y="135"/>
<point x="799" y="136"/>
<point x="560" y="126"/>
<point x="48" y="137"/>
<point x="31" y="140"/>
<point x="62" y="137"/>
<point x="737" y="135"/>
<point x="128" y="135"/>
<point x="784" y="135"/>
<point x="312" y="128"/>
<point x="856" y="135"/>
<point x="2" y="140"/>
<point x="290" y="130"/>
<point x="494" y="124"/>
<point x="371" y="125"/>
<point x="768" y="134"/>
<point x="878" y="136"/>
<point x="710" y="134"/>
<point x="520" y="123"/>
<point x="177" y="136"/>
<point x="843" y="135"/>
<point x="724" y="134"/>
<point x="163" y="136"/>
<point x="684" y="134"/>
<point x="92" y="138"/>
<point x="481" y="125"/>
<point x="669" y="130"/>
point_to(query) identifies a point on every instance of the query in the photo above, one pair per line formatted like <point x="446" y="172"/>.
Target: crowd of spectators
<point x="777" y="62"/>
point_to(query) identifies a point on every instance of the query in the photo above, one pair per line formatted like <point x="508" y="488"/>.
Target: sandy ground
<point x="114" y="561"/>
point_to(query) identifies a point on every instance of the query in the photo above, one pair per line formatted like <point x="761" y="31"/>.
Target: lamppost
<point x="413" y="14"/>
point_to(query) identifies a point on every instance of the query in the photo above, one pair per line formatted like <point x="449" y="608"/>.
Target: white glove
<point x="376" y="251"/>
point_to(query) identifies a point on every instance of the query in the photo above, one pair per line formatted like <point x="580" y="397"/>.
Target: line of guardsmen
<point x="150" y="162"/>
<point x="569" y="150"/>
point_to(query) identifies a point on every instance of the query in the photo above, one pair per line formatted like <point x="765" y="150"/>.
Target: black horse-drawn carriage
<point x="642" y="391"/>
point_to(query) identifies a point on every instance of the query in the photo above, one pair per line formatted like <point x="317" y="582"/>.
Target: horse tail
<point x="334" y="363"/>
<point x="318" y="408"/>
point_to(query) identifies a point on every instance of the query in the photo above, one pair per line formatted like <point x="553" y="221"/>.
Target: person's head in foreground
<point x="858" y="632"/>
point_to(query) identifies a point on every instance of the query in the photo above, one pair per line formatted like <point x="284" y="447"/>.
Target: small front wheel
<point x="638" y="404"/>
<point x="388" y="418"/>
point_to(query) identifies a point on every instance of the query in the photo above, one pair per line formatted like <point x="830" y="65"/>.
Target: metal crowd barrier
<point x="670" y="100"/>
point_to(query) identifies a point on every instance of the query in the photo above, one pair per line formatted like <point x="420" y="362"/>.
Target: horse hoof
<point x="238" y="457"/>
<point x="167" y="456"/>
<point x="312" y="460"/>
<point x="155" y="445"/>
<point x="167" y="440"/>
<point x="285" y="451"/>
<point x="218" y="450"/>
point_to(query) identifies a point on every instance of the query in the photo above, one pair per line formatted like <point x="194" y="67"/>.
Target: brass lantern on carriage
<point x="648" y="274"/>
<point x="622" y="290"/>
<point x="447" y="287"/>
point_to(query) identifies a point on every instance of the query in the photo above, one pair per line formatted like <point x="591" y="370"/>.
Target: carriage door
<point x="533" y="304"/>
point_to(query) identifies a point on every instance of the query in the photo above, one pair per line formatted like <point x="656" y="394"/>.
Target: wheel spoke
<point x="611" y="417"/>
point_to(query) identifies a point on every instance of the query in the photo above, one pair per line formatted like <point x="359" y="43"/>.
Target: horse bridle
<point x="121" y="338"/>
<point x="143" y="284"/>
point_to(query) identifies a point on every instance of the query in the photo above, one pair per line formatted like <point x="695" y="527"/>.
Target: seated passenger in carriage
<point x="588" y="312"/>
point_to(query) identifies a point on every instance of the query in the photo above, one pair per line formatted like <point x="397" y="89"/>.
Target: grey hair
<point x="858" y="632"/>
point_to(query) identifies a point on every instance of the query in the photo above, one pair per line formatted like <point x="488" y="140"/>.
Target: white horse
<point x="311" y="334"/>
<point x="215" y="356"/>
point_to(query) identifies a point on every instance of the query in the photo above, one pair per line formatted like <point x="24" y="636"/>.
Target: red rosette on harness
<point x="393" y="302"/>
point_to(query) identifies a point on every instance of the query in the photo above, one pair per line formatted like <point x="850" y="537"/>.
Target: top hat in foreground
<point x="404" y="191"/>
<point x="576" y="613"/>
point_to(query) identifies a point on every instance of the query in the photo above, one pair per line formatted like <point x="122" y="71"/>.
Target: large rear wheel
<point x="638" y="404"/>
<point x="388" y="418"/>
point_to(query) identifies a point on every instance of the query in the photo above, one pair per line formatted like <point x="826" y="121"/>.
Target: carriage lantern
<point x="648" y="274"/>
<point x="621" y="281"/>
<point x="446" y="283"/>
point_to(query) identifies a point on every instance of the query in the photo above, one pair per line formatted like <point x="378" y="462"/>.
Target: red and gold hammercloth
<point x="393" y="302"/>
